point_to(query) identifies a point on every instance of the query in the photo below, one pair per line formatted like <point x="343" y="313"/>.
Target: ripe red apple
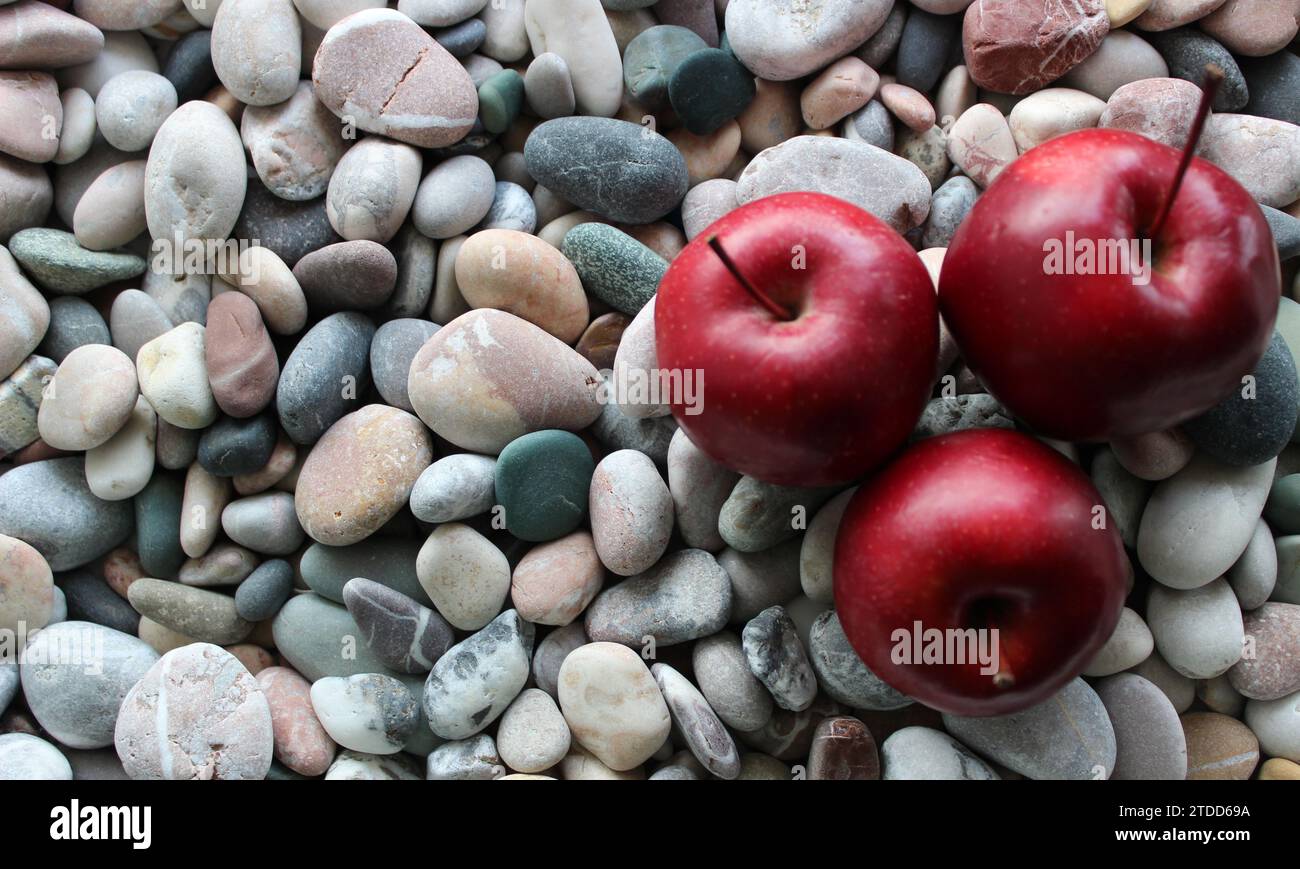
<point x="1100" y="356"/>
<point x="816" y="329"/>
<point x="984" y="529"/>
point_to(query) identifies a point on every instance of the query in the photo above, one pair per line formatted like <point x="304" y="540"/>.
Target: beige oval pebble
<point x="111" y="211"/>
<point x="631" y="512"/>
<point x="360" y="473"/>
<point x="120" y="467"/>
<point x="78" y="126"/>
<point x="90" y="398"/>
<point x="464" y="574"/>
<point x="909" y="105"/>
<point x="613" y="705"/>
<point x="268" y="281"/>
<point x="773" y="116"/>
<point x="295" y="145"/>
<point x="26" y="313"/>
<point x="1261" y="153"/>
<point x="519" y="273"/>
<point x="556" y="580"/>
<point x="980" y="142"/>
<point x="256" y="50"/>
<point x="206" y="495"/>
<point x="707" y="157"/>
<point x="372" y="188"/>
<point x="174" y="377"/>
<point x="488" y="377"/>
<point x="195" y="178"/>
<point x="1053" y="112"/>
<point x="26" y="587"/>
<point x="1218" y="747"/>
<point x="842" y="88"/>
<point x="301" y="743"/>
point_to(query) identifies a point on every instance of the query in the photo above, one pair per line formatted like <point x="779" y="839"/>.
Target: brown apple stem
<point x="762" y="298"/>
<point x="1209" y="88"/>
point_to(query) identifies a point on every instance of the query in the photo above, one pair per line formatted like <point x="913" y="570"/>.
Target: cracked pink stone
<point x="1020" y="46"/>
<point x="379" y="70"/>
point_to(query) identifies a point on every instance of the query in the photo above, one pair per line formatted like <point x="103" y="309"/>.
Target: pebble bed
<point x="349" y="506"/>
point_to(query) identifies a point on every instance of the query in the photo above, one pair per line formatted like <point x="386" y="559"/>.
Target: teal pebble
<point x="614" y="266"/>
<point x="58" y="263"/>
<point x="710" y="88"/>
<point x="388" y="561"/>
<point x="158" y="525"/>
<point x="1287" y="589"/>
<point x="542" y="483"/>
<point x="652" y="57"/>
<point x="500" y="99"/>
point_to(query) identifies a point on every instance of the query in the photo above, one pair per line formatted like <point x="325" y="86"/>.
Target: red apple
<point x="984" y="529"/>
<point x="1100" y="356"/>
<point x="818" y="350"/>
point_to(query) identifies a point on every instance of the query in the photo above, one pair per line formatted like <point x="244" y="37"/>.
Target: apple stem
<point x="762" y="298"/>
<point x="1209" y="88"/>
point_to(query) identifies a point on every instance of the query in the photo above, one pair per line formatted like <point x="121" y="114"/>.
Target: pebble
<point x="288" y="229"/>
<point x="841" y="673"/>
<point x="548" y="87"/>
<point x="1262" y="154"/>
<point x="1250" y="428"/>
<point x="779" y="44"/>
<point x="533" y="735"/>
<point x="704" y="733"/>
<point x="500" y="99"/>
<point x="1129" y="645"/>
<point x="1273" y="82"/>
<point x="207" y="616"/>
<point x="74" y="322"/>
<point x="41" y="36"/>
<point x="683" y="597"/>
<point x="617" y="169"/>
<point x="355" y="766"/>
<point x="157" y="525"/>
<point x="758" y="515"/>
<point x="631" y="512"/>
<point x="196" y="714"/>
<point x="652" y="57"/>
<point x="1255" y="573"/>
<point x="473" y="759"/>
<point x="788" y="735"/>
<point x="455" y="487"/>
<point x="360" y="474"/>
<point x="1156" y="108"/>
<point x="89" y="399"/>
<point x="55" y="260"/>
<point x="613" y="266"/>
<point x="183" y="298"/>
<point x="403" y="633"/>
<point x="372" y="189"/>
<point x="50" y="506"/>
<point x="324" y="376"/>
<point x="224" y="564"/>
<point x="554" y="582"/>
<point x="381" y="71"/>
<point x="26" y="192"/>
<point x="1286" y="232"/>
<point x="1187" y="52"/>
<point x="982" y="144"/>
<point x="27" y="100"/>
<point x="1167" y="14"/>
<point x="488" y="377"/>
<point x="925" y="754"/>
<point x="612" y="704"/>
<point x="843" y="750"/>
<point x="512" y="271"/>
<point x="394" y="346"/>
<point x="367" y="712"/>
<point x="707" y="202"/>
<point x="777" y="658"/>
<point x="388" y="561"/>
<point x="240" y="359"/>
<point x="1200" y="520"/>
<point x="887" y="186"/>
<point x="265" y="523"/>
<point x="136" y="319"/>
<point x="700" y="487"/>
<point x="1122" y="58"/>
<point x="464" y="574"/>
<point x="1277" y="725"/>
<point x="1154" y="456"/>
<point x="26" y="588"/>
<point x="237" y="446"/>
<point x="708" y="88"/>
<point x="318" y="638"/>
<point x="20" y="399"/>
<point x="602" y="338"/>
<point x="578" y="31"/>
<point x="189" y="66"/>
<point x="75" y="703"/>
<point x="111" y="211"/>
<point x="462" y="39"/>
<point x="264" y="591"/>
<point x="1056" y="111"/>
<point x="773" y="115"/>
<point x="454" y="197"/>
<point x="300" y="741"/>
<point x="512" y="205"/>
<point x="761" y="579"/>
<point x="1021" y="46"/>
<point x="195" y="177"/>
<point x="120" y="467"/>
<point x="476" y="679"/>
<point x="1253" y="29"/>
<point x="1149" y="739"/>
<point x="24" y="757"/>
<point x="1219" y="696"/>
<point x="926" y="42"/>
<point x="542" y="483"/>
<point x="1273" y="670"/>
<point x="732" y="690"/>
<point x="295" y="145"/>
<point x="1218" y="747"/>
<point x="131" y="107"/>
<point x="1067" y="737"/>
<point x="1198" y="631"/>
<point x="89" y="599"/>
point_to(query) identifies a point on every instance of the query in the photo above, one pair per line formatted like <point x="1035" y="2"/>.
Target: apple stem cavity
<point x="762" y="298"/>
<point x="1002" y="680"/>
<point x="1209" y="88"/>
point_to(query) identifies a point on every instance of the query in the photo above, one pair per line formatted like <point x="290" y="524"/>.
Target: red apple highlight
<point x="1096" y="356"/>
<point x="979" y="530"/>
<point x="818" y="351"/>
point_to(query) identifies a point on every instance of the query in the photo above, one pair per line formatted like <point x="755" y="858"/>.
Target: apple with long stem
<point x="1106" y="285"/>
<point x="814" y="328"/>
<point x="978" y="573"/>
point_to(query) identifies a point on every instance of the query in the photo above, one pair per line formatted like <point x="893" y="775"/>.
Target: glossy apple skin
<point x="820" y="399"/>
<point x="985" y="521"/>
<point x="1087" y="358"/>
